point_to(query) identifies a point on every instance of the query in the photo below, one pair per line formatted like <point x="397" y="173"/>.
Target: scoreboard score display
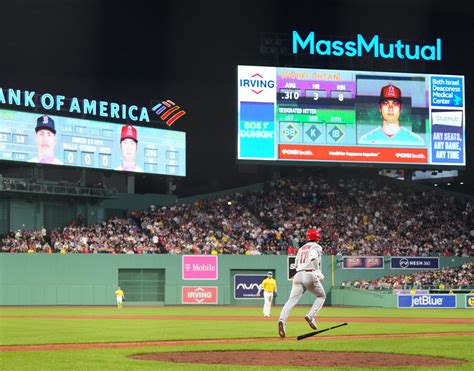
<point x="30" y="137"/>
<point x="334" y="116"/>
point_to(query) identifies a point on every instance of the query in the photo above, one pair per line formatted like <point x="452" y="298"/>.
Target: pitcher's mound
<point x="299" y="358"/>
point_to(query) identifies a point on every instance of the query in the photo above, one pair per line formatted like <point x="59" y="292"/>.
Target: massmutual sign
<point x="362" y="47"/>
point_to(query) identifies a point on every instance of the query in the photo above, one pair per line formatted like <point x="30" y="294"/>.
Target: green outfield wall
<point x="366" y="298"/>
<point x="355" y="297"/>
<point x="70" y="279"/>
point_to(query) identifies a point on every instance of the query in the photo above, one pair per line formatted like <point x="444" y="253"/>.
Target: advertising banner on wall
<point x="469" y="301"/>
<point x="199" y="295"/>
<point x="415" y="262"/>
<point x="426" y="301"/>
<point x="411" y="292"/>
<point x="362" y="262"/>
<point x="199" y="267"/>
<point x="291" y="267"/>
<point x="247" y="286"/>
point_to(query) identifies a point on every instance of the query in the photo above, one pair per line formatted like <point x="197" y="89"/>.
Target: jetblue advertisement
<point x="426" y="301"/>
<point x="247" y="286"/>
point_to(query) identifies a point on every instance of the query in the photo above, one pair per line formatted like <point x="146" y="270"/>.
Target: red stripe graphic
<point x="175" y="117"/>
<point x="169" y="112"/>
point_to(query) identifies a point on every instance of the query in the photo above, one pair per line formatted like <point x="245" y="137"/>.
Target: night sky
<point x="188" y="51"/>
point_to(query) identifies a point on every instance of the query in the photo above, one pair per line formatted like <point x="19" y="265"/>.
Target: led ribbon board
<point x="334" y="116"/>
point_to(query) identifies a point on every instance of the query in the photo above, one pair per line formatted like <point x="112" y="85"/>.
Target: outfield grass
<point x="67" y="330"/>
<point x="234" y="311"/>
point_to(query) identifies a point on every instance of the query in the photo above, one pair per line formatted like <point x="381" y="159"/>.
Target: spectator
<point x="442" y="279"/>
<point x="357" y="217"/>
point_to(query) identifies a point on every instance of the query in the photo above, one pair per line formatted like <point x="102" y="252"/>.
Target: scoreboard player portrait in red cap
<point x="46" y="140"/>
<point x="129" y="147"/>
<point x="391" y="132"/>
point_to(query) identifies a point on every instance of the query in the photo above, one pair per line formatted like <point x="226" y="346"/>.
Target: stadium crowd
<point x="355" y="216"/>
<point x="444" y="279"/>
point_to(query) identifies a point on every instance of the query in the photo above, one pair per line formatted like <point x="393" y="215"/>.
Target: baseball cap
<point x="270" y="273"/>
<point x="390" y="91"/>
<point x="129" y="131"/>
<point x="45" y="122"/>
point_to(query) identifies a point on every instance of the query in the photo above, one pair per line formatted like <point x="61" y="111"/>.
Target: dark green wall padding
<point x="91" y="279"/>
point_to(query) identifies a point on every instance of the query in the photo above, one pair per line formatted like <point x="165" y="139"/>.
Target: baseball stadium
<point x="236" y="186"/>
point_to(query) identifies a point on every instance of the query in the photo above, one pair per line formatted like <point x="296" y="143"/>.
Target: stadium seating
<point x="356" y="216"/>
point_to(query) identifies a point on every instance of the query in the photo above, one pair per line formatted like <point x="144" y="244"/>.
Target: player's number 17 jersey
<point x="309" y="257"/>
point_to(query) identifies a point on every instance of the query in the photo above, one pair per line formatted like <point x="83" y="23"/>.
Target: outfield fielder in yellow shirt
<point x="120" y="297"/>
<point x="269" y="286"/>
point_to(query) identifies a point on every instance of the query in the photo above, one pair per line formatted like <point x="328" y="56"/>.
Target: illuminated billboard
<point x="334" y="116"/>
<point x="48" y="139"/>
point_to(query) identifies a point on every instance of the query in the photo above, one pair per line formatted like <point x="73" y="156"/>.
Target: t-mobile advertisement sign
<point x="199" y="267"/>
<point x="199" y="295"/>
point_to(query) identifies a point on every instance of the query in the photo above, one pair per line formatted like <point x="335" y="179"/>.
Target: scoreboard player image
<point x="129" y="147"/>
<point x="46" y="141"/>
<point x="395" y="119"/>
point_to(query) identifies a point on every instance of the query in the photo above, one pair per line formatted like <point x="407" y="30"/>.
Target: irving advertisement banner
<point x="199" y="295"/>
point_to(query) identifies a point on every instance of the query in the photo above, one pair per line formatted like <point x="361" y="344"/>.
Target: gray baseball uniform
<point x="308" y="277"/>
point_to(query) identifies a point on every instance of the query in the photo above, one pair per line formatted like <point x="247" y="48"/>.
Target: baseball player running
<point x="269" y="286"/>
<point x="308" y="277"/>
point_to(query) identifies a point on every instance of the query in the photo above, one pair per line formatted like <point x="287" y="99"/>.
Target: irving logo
<point x="256" y="83"/>
<point x="169" y="111"/>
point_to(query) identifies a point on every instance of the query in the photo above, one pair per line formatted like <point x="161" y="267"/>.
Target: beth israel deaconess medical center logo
<point x="168" y="111"/>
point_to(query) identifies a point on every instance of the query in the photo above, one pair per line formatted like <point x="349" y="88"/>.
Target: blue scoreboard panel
<point x="91" y="144"/>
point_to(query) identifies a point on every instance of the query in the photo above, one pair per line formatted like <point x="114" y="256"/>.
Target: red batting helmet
<point x="313" y="235"/>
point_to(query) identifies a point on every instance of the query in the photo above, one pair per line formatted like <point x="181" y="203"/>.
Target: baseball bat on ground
<point x="309" y="334"/>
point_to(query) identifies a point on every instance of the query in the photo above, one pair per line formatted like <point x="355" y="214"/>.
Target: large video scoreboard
<point x="91" y="144"/>
<point x="334" y="116"/>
